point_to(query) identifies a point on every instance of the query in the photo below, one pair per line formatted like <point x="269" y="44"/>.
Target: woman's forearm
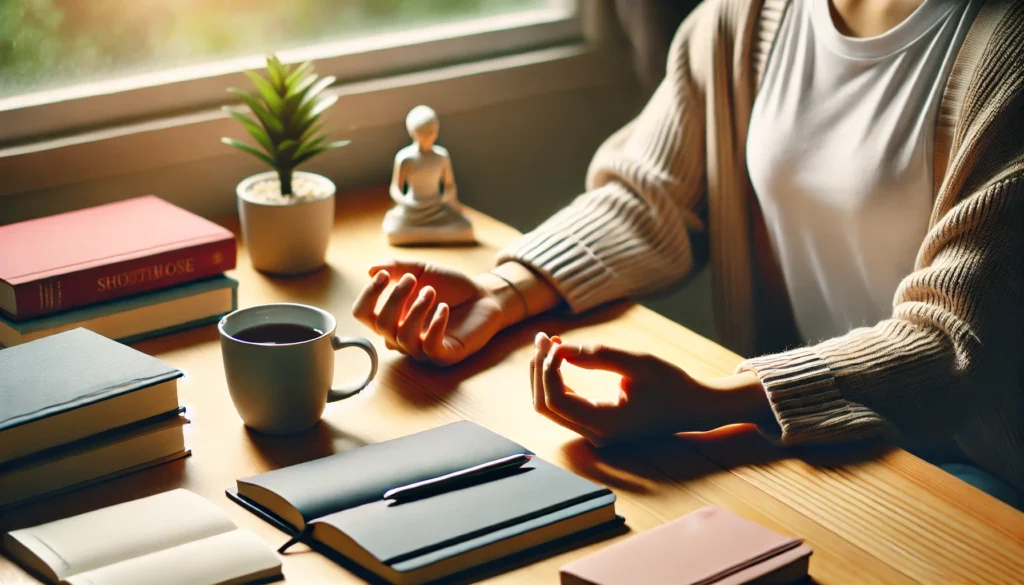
<point x="522" y="294"/>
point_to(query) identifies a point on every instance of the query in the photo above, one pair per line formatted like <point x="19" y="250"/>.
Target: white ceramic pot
<point x="289" y="237"/>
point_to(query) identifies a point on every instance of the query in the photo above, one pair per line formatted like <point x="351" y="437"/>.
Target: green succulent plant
<point x="287" y="107"/>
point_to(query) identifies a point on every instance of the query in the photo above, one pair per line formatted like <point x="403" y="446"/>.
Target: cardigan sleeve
<point x="628" y="234"/>
<point x="951" y="347"/>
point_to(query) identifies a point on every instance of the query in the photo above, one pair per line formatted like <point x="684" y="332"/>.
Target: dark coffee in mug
<point x="278" y="333"/>
<point x="279" y="364"/>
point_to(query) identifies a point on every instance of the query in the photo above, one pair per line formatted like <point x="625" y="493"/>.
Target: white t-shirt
<point x="839" y="151"/>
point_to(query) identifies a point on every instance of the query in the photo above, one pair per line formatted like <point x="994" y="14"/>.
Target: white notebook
<point x="170" y="538"/>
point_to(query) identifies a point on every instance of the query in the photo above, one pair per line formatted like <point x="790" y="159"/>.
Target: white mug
<point x="284" y="387"/>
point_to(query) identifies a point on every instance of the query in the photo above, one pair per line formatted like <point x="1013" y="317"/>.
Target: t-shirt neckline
<point x="920" y="21"/>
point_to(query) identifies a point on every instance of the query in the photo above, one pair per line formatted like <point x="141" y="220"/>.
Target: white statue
<point x="423" y="187"/>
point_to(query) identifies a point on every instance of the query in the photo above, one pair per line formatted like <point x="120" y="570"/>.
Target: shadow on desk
<point x="322" y="440"/>
<point x="318" y="287"/>
<point x="424" y="384"/>
<point x="685" y="457"/>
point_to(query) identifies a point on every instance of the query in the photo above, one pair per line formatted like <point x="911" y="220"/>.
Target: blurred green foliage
<point x="50" y="43"/>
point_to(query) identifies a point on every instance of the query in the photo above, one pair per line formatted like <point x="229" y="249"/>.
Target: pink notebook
<point x="710" y="546"/>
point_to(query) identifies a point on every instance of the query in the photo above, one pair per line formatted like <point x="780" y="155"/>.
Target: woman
<point x="857" y="164"/>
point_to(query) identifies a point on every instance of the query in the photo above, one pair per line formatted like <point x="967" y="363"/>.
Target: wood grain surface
<point x="871" y="514"/>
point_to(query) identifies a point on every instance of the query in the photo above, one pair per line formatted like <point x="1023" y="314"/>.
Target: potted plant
<point x="286" y="214"/>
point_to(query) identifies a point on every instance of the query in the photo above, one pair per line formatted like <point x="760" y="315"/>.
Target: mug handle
<point x="363" y="344"/>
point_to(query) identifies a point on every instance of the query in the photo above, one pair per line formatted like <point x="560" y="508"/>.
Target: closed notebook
<point x="710" y="546"/>
<point x="339" y="501"/>
<point x="75" y="384"/>
<point x="171" y="538"/>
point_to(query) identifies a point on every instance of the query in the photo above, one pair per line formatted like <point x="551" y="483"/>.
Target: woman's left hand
<point x="655" y="398"/>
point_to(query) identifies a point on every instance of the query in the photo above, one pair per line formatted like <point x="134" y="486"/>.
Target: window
<point x="125" y="60"/>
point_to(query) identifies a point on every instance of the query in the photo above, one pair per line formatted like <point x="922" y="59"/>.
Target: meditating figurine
<point x="423" y="187"/>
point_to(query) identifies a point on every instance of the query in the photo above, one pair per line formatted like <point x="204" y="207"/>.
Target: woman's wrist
<point x="513" y="306"/>
<point x="518" y="291"/>
<point x="744" y="399"/>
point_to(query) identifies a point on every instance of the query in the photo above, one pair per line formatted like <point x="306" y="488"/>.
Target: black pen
<point x="452" y="480"/>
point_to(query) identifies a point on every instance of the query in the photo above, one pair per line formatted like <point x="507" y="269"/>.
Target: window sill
<point x="380" y="103"/>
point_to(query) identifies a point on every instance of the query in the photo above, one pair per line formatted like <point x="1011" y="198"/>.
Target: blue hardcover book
<point x="135" y="318"/>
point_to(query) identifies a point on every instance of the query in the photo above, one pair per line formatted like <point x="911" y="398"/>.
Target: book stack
<point x="77" y="408"/>
<point x="126" y="270"/>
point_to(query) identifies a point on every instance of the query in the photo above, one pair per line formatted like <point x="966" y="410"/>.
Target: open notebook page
<point x="103" y="537"/>
<point x="230" y="558"/>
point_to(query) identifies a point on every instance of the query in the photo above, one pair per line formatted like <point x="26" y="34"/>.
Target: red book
<point x="101" y="253"/>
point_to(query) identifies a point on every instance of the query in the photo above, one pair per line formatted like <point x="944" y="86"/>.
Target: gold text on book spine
<point x="144" y="274"/>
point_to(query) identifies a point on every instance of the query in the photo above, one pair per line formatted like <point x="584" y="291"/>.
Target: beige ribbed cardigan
<point x="947" y="365"/>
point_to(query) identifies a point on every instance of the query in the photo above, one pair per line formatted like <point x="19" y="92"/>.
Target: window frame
<point x="75" y="160"/>
<point x="85" y="107"/>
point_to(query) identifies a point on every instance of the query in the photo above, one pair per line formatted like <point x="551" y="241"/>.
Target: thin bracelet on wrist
<point x="519" y="293"/>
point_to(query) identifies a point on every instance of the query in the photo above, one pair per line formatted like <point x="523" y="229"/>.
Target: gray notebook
<point x="338" y="501"/>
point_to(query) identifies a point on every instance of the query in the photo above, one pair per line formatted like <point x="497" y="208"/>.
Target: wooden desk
<point x="892" y="519"/>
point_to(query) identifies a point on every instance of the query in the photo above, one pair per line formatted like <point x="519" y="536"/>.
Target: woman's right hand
<point x="433" y="314"/>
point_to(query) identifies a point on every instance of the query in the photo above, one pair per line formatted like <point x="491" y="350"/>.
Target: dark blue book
<point x="135" y="318"/>
<point x="74" y="385"/>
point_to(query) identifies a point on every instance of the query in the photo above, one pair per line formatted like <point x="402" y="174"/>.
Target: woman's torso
<point x="840" y="154"/>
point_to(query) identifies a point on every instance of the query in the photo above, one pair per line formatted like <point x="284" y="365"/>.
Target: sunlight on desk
<point x="890" y="519"/>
